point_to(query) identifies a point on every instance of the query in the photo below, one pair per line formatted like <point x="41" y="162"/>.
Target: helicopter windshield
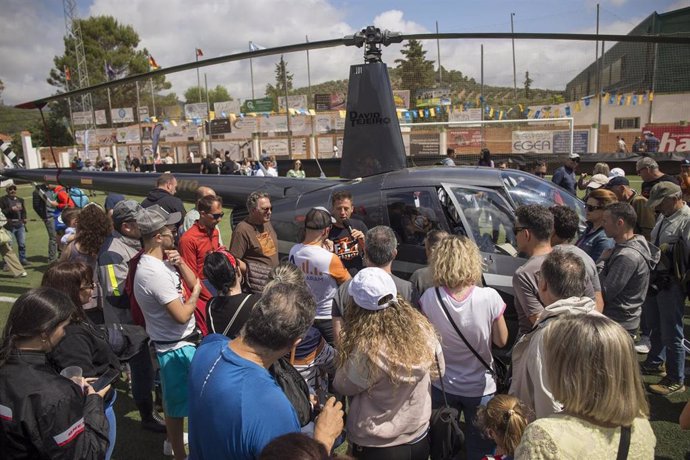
<point x="524" y="188"/>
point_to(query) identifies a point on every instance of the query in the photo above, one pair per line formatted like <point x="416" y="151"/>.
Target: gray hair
<point x="646" y="162"/>
<point x="282" y="315"/>
<point x="564" y="273"/>
<point x="254" y="197"/>
<point x="381" y="245"/>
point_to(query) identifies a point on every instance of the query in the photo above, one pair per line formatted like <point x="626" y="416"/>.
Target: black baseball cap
<point x="618" y="180"/>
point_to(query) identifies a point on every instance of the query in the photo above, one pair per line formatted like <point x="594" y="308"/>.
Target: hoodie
<point x="530" y="378"/>
<point x="165" y="200"/>
<point x="624" y="277"/>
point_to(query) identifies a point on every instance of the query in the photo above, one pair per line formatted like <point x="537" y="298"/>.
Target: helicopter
<point x="477" y="202"/>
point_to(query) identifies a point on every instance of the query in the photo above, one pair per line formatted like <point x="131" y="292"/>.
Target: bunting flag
<point x="510" y="110"/>
<point x="199" y="53"/>
<point x="153" y="65"/>
<point x="567" y="110"/>
<point x="432" y="112"/>
<point x="491" y="112"/>
<point x="68" y="75"/>
<point x="414" y="114"/>
<point x="342" y="113"/>
<point x="634" y="99"/>
<point x="500" y="115"/>
<point x="173" y="122"/>
<point x="292" y="111"/>
<point x="578" y="107"/>
<point x="407" y="117"/>
<point x="529" y="113"/>
<point x="612" y="99"/>
<point x="651" y="96"/>
<point x="587" y="101"/>
<point x="557" y="113"/>
<point x="478" y="102"/>
<point x="233" y="117"/>
<point x="521" y="107"/>
<point x="628" y="99"/>
<point x="211" y="115"/>
<point x="312" y="112"/>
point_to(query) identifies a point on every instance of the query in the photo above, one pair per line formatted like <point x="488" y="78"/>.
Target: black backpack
<point x="295" y="388"/>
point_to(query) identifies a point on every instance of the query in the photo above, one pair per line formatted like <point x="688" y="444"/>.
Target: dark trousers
<point x="416" y="451"/>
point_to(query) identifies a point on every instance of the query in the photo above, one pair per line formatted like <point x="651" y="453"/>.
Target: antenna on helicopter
<point x="372" y="38"/>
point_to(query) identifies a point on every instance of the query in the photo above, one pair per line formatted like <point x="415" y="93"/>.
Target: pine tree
<point x="415" y="71"/>
<point x="528" y="85"/>
<point x="282" y="75"/>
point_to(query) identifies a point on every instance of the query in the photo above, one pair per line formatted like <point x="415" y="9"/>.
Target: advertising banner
<point x="227" y="108"/>
<point x="100" y="117"/>
<point x="196" y="110"/>
<point x="532" y="142"/>
<point x="128" y="134"/>
<point x="122" y="115"/>
<point x="465" y="115"/>
<point x="298" y="101"/>
<point x="82" y="118"/>
<point x="264" y="104"/>
<point x="401" y="98"/>
<point x="672" y="138"/>
<point x="322" y="102"/>
<point x="464" y="137"/>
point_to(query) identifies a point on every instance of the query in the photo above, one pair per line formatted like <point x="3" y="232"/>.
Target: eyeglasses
<point x="88" y="287"/>
<point x="642" y="169"/>
<point x="216" y="216"/>
<point x="591" y="208"/>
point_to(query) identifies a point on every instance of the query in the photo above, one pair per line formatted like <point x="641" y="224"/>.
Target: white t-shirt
<point x="474" y="316"/>
<point x="157" y="283"/>
<point x="323" y="271"/>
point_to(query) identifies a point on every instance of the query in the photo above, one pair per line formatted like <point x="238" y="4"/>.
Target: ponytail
<point x="515" y="424"/>
<point x="506" y="417"/>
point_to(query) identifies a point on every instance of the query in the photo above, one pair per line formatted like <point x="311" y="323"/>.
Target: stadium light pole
<point x="512" y="31"/>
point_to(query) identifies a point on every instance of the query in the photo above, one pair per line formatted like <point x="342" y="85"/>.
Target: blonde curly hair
<point x="399" y="330"/>
<point x="456" y="262"/>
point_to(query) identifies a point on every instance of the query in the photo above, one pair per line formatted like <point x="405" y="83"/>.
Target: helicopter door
<point x="485" y="216"/>
<point x="412" y="213"/>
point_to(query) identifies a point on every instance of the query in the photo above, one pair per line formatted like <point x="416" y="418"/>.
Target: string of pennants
<point x="613" y="98"/>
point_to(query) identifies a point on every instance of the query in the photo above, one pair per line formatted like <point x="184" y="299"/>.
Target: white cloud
<point x="172" y="29"/>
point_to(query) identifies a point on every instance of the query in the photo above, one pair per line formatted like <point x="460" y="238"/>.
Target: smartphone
<point x="106" y="379"/>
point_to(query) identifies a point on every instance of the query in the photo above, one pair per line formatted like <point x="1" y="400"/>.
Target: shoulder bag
<point x="445" y="434"/>
<point x="499" y="371"/>
<point x="295" y="388"/>
<point x="624" y="444"/>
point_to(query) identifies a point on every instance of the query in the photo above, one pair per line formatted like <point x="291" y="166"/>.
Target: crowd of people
<point x="264" y="357"/>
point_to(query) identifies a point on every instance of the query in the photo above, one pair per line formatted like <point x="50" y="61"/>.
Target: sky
<point x="33" y="30"/>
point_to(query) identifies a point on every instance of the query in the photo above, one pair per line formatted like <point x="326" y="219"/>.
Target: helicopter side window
<point x="411" y="216"/>
<point x="489" y="220"/>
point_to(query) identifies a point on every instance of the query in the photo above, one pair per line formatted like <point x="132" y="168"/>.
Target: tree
<point x="415" y="71"/>
<point x="106" y="42"/>
<point x="2" y="88"/>
<point x="217" y="94"/>
<point x="282" y="75"/>
<point x="528" y="85"/>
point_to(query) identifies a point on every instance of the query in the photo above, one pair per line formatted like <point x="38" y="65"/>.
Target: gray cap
<point x="646" y="162"/>
<point x="125" y="211"/>
<point x="154" y="218"/>
<point x="660" y="191"/>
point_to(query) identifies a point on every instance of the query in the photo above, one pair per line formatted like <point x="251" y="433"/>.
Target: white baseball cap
<point x="372" y="289"/>
<point x="616" y="172"/>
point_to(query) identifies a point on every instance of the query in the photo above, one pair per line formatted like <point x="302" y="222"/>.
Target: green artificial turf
<point x="134" y="443"/>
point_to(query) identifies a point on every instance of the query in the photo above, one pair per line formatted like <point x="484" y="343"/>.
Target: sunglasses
<point x="216" y="216"/>
<point x="591" y="208"/>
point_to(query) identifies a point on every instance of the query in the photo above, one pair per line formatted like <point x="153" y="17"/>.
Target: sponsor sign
<point x="322" y="102"/>
<point x="298" y="101"/>
<point x="122" y="115"/>
<point x="338" y="101"/>
<point x="672" y="138"/>
<point x="196" y="110"/>
<point x="218" y="126"/>
<point x="532" y="142"/>
<point x="264" y="104"/>
<point x="100" y="117"/>
<point x="226" y="108"/>
<point x="82" y="118"/>
<point x="465" y="137"/>
<point x="323" y="123"/>
<point x="424" y="144"/>
<point x="401" y="98"/>
<point x="465" y="115"/>
<point x="561" y="141"/>
<point x="143" y="113"/>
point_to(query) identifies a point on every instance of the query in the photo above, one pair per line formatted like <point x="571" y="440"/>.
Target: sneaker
<point x="667" y="387"/>
<point x="650" y="369"/>
<point x="21" y="275"/>
<point x="643" y="345"/>
<point x="156" y="423"/>
<point x="167" y="447"/>
<point x="25" y="263"/>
